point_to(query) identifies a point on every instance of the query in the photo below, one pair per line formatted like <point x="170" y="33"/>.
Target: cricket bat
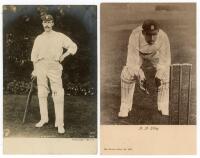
<point x="28" y="101"/>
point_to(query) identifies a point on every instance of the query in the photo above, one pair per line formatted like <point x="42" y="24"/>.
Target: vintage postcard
<point x="49" y="79"/>
<point x="148" y="78"/>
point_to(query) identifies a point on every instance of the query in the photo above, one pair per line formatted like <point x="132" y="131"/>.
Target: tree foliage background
<point x="21" y="25"/>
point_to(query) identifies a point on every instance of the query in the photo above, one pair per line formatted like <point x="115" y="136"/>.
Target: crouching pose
<point x="146" y="43"/>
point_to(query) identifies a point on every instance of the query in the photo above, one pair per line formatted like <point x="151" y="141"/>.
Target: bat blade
<point x="28" y="101"/>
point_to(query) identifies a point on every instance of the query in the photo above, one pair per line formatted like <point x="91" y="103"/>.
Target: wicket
<point x="180" y="89"/>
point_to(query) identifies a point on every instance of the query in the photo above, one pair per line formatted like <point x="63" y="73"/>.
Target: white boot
<point x="61" y="129"/>
<point x="123" y="113"/>
<point x="40" y="123"/>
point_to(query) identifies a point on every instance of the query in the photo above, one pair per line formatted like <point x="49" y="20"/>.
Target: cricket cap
<point x="150" y="27"/>
<point x="47" y="17"/>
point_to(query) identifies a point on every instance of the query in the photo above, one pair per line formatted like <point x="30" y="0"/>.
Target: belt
<point x="146" y="53"/>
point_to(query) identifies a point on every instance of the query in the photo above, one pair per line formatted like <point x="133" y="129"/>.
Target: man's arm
<point x="133" y="64"/>
<point x="34" y="52"/>
<point x="70" y="46"/>
<point x="164" y="59"/>
<point x="34" y="56"/>
<point x="134" y="61"/>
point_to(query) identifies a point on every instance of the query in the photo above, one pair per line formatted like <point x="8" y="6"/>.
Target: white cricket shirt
<point x="50" y="46"/>
<point x="138" y="50"/>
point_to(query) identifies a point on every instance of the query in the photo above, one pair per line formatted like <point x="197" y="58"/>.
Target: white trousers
<point x="52" y="71"/>
<point x="128" y="88"/>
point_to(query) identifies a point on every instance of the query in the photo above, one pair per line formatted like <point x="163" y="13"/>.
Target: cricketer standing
<point x="47" y="55"/>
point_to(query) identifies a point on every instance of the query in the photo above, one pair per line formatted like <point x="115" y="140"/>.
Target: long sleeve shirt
<point x="138" y="50"/>
<point x="50" y="46"/>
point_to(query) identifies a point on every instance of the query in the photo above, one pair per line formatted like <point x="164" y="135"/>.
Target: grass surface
<point x="117" y="23"/>
<point x="80" y="117"/>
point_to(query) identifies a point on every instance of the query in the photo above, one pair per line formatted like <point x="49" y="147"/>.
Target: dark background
<point x="21" y="25"/>
<point x="117" y="23"/>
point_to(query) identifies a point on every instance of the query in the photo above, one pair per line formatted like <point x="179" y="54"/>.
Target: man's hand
<point x="62" y="57"/>
<point x="158" y="82"/>
<point x="142" y="81"/>
<point x="125" y="75"/>
<point x="141" y="75"/>
<point x="33" y="75"/>
<point x="143" y="86"/>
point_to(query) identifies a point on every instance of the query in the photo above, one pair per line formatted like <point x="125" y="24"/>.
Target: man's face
<point x="47" y="25"/>
<point x="151" y="38"/>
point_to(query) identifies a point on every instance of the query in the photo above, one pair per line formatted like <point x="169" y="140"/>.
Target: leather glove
<point x="157" y="82"/>
<point x="142" y="81"/>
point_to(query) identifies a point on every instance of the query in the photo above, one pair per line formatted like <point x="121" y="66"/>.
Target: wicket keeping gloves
<point x="157" y="82"/>
<point x="142" y="81"/>
<point x="126" y="75"/>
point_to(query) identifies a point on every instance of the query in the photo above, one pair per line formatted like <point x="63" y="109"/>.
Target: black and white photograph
<point x="96" y="78"/>
<point x="148" y="64"/>
<point x="50" y="71"/>
<point x="148" y="78"/>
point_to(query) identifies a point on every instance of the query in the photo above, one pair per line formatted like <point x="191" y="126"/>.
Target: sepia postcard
<point x="148" y="78"/>
<point x="49" y="79"/>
